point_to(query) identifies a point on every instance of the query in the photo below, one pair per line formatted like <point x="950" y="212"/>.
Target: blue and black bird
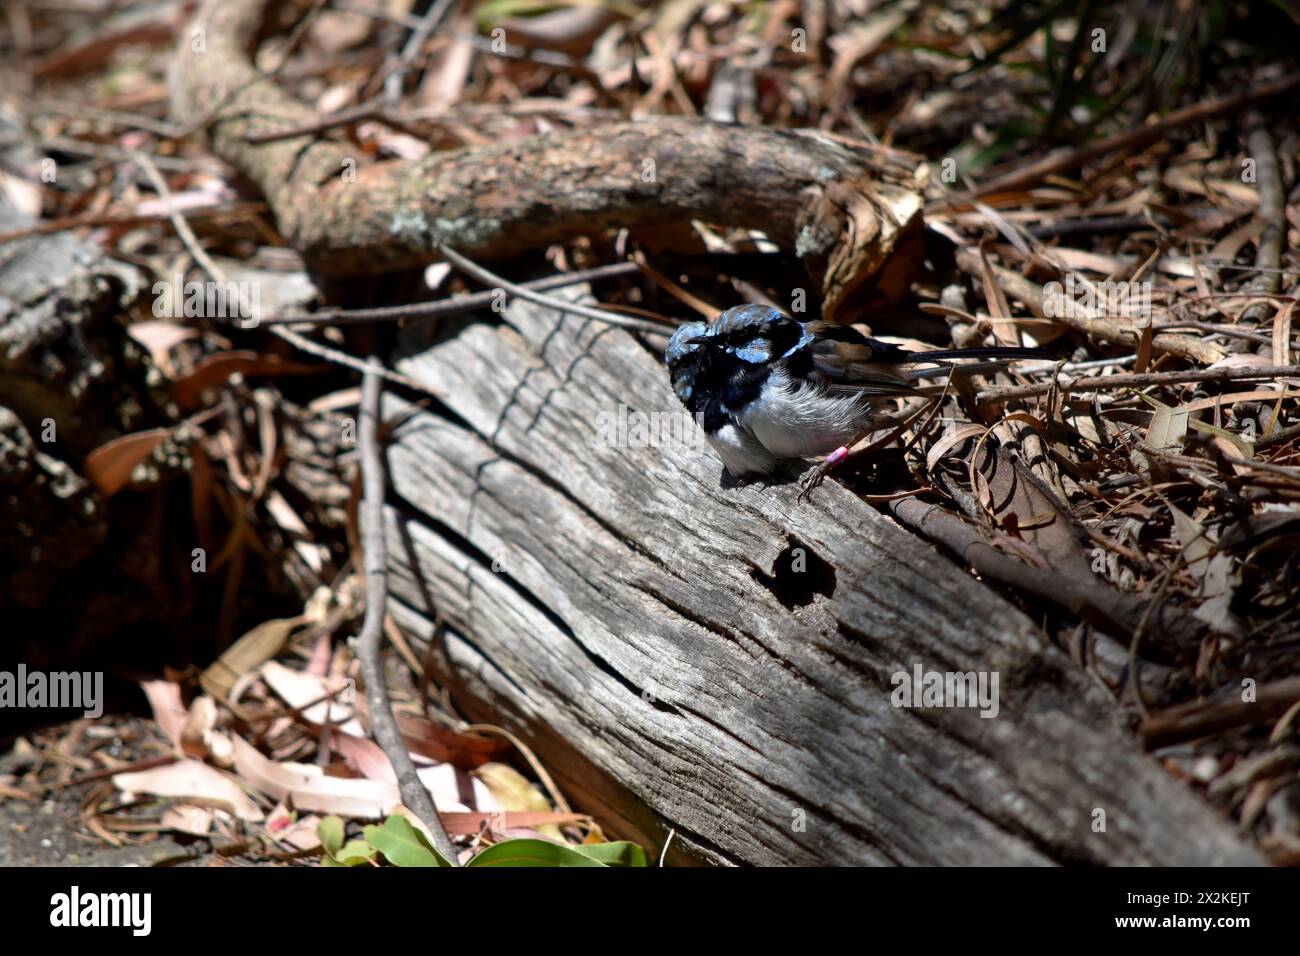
<point x="767" y="387"/>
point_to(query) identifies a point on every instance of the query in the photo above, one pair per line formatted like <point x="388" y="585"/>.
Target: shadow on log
<point x="717" y="662"/>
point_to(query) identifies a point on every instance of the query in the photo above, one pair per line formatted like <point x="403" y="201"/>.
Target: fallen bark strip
<point x="1200" y="718"/>
<point x="843" y="206"/>
<point x="718" y="662"/>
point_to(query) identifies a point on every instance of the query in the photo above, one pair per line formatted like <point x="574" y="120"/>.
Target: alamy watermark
<point x="628" y="428"/>
<point x="177" y="299"/>
<point x="133" y="911"/>
<point x="1116" y="300"/>
<point x="56" y="690"/>
<point x="923" y="688"/>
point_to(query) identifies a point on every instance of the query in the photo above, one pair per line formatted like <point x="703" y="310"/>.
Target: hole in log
<point x="798" y="574"/>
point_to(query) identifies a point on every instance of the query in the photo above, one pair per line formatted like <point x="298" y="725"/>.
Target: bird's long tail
<point x="1009" y="352"/>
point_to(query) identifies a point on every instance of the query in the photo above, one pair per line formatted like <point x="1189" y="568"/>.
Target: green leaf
<point x="353" y="853"/>
<point x="618" y="853"/>
<point x="402" y="844"/>
<point x="532" y="853"/>
<point x="330" y="832"/>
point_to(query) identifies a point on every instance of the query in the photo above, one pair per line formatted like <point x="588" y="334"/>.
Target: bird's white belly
<point x="800" y="421"/>
<point x="741" y="452"/>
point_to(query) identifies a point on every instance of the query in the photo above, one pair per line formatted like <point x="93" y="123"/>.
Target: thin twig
<point x="83" y="111"/>
<point x="346" y="117"/>
<point x="383" y="725"/>
<point x="414" y="45"/>
<point x="476" y="271"/>
<point x="1137" y="380"/>
<point x="1272" y="214"/>
<point x="1131" y="676"/>
<point x="1070" y="160"/>
<point x="405" y="119"/>
<point x="1112" y="610"/>
<point x="1089" y="321"/>
<point x="1278" y="437"/>
<point x="120" y="220"/>
<point x="441" y="308"/>
<point x="183" y="230"/>
<point x="191" y="242"/>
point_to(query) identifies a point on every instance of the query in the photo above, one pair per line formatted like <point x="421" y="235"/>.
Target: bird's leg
<point x="902" y="420"/>
<point x="818" y="474"/>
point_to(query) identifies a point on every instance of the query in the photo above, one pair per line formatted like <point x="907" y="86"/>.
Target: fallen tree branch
<point x="476" y="271"/>
<point x="719" y="662"/>
<point x="1200" y="718"/>
<point x="844" y="207"/>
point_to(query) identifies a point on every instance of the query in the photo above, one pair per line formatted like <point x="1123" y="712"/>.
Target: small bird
<point x="767" y="387"/>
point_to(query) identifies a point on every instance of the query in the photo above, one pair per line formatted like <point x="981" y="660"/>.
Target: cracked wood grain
<point x="646" y="631"/>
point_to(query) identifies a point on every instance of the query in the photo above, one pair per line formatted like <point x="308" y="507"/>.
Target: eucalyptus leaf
<point x="402" y="844"/>
<point x="330" y="833"/>
<point x="618" y="853"/>
<point x="352" y="853"/>
<point x="532" y="853"/>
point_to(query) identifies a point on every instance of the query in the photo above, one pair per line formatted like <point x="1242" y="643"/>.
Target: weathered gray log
<point x="717" y="662"/>
<point x="54" y="292"/>
<point x="70" y="379"/>
<point x="63" y="356"/>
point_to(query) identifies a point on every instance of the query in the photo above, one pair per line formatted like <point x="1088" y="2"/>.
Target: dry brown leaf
<point x="169" y="713"/>
<point x="196" y="735"/>
<point x="308" y="788"/>
<point x="191" y="780"/>
<point x="1168" y="427"/>
<point x="1282" y="334"/>
<point x="248" y="653"/>
<point x="193" y="390"/>
<point x="184" y="818"/>
<point x="160" y="337"/>
<point x="299" y="689"/>
<point x="1027" y="509"/>
<point x="110" y="466"/>
<point x="465" y="751"/>
<point x="949" y="441"/>
<point x="513" y="791"/>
